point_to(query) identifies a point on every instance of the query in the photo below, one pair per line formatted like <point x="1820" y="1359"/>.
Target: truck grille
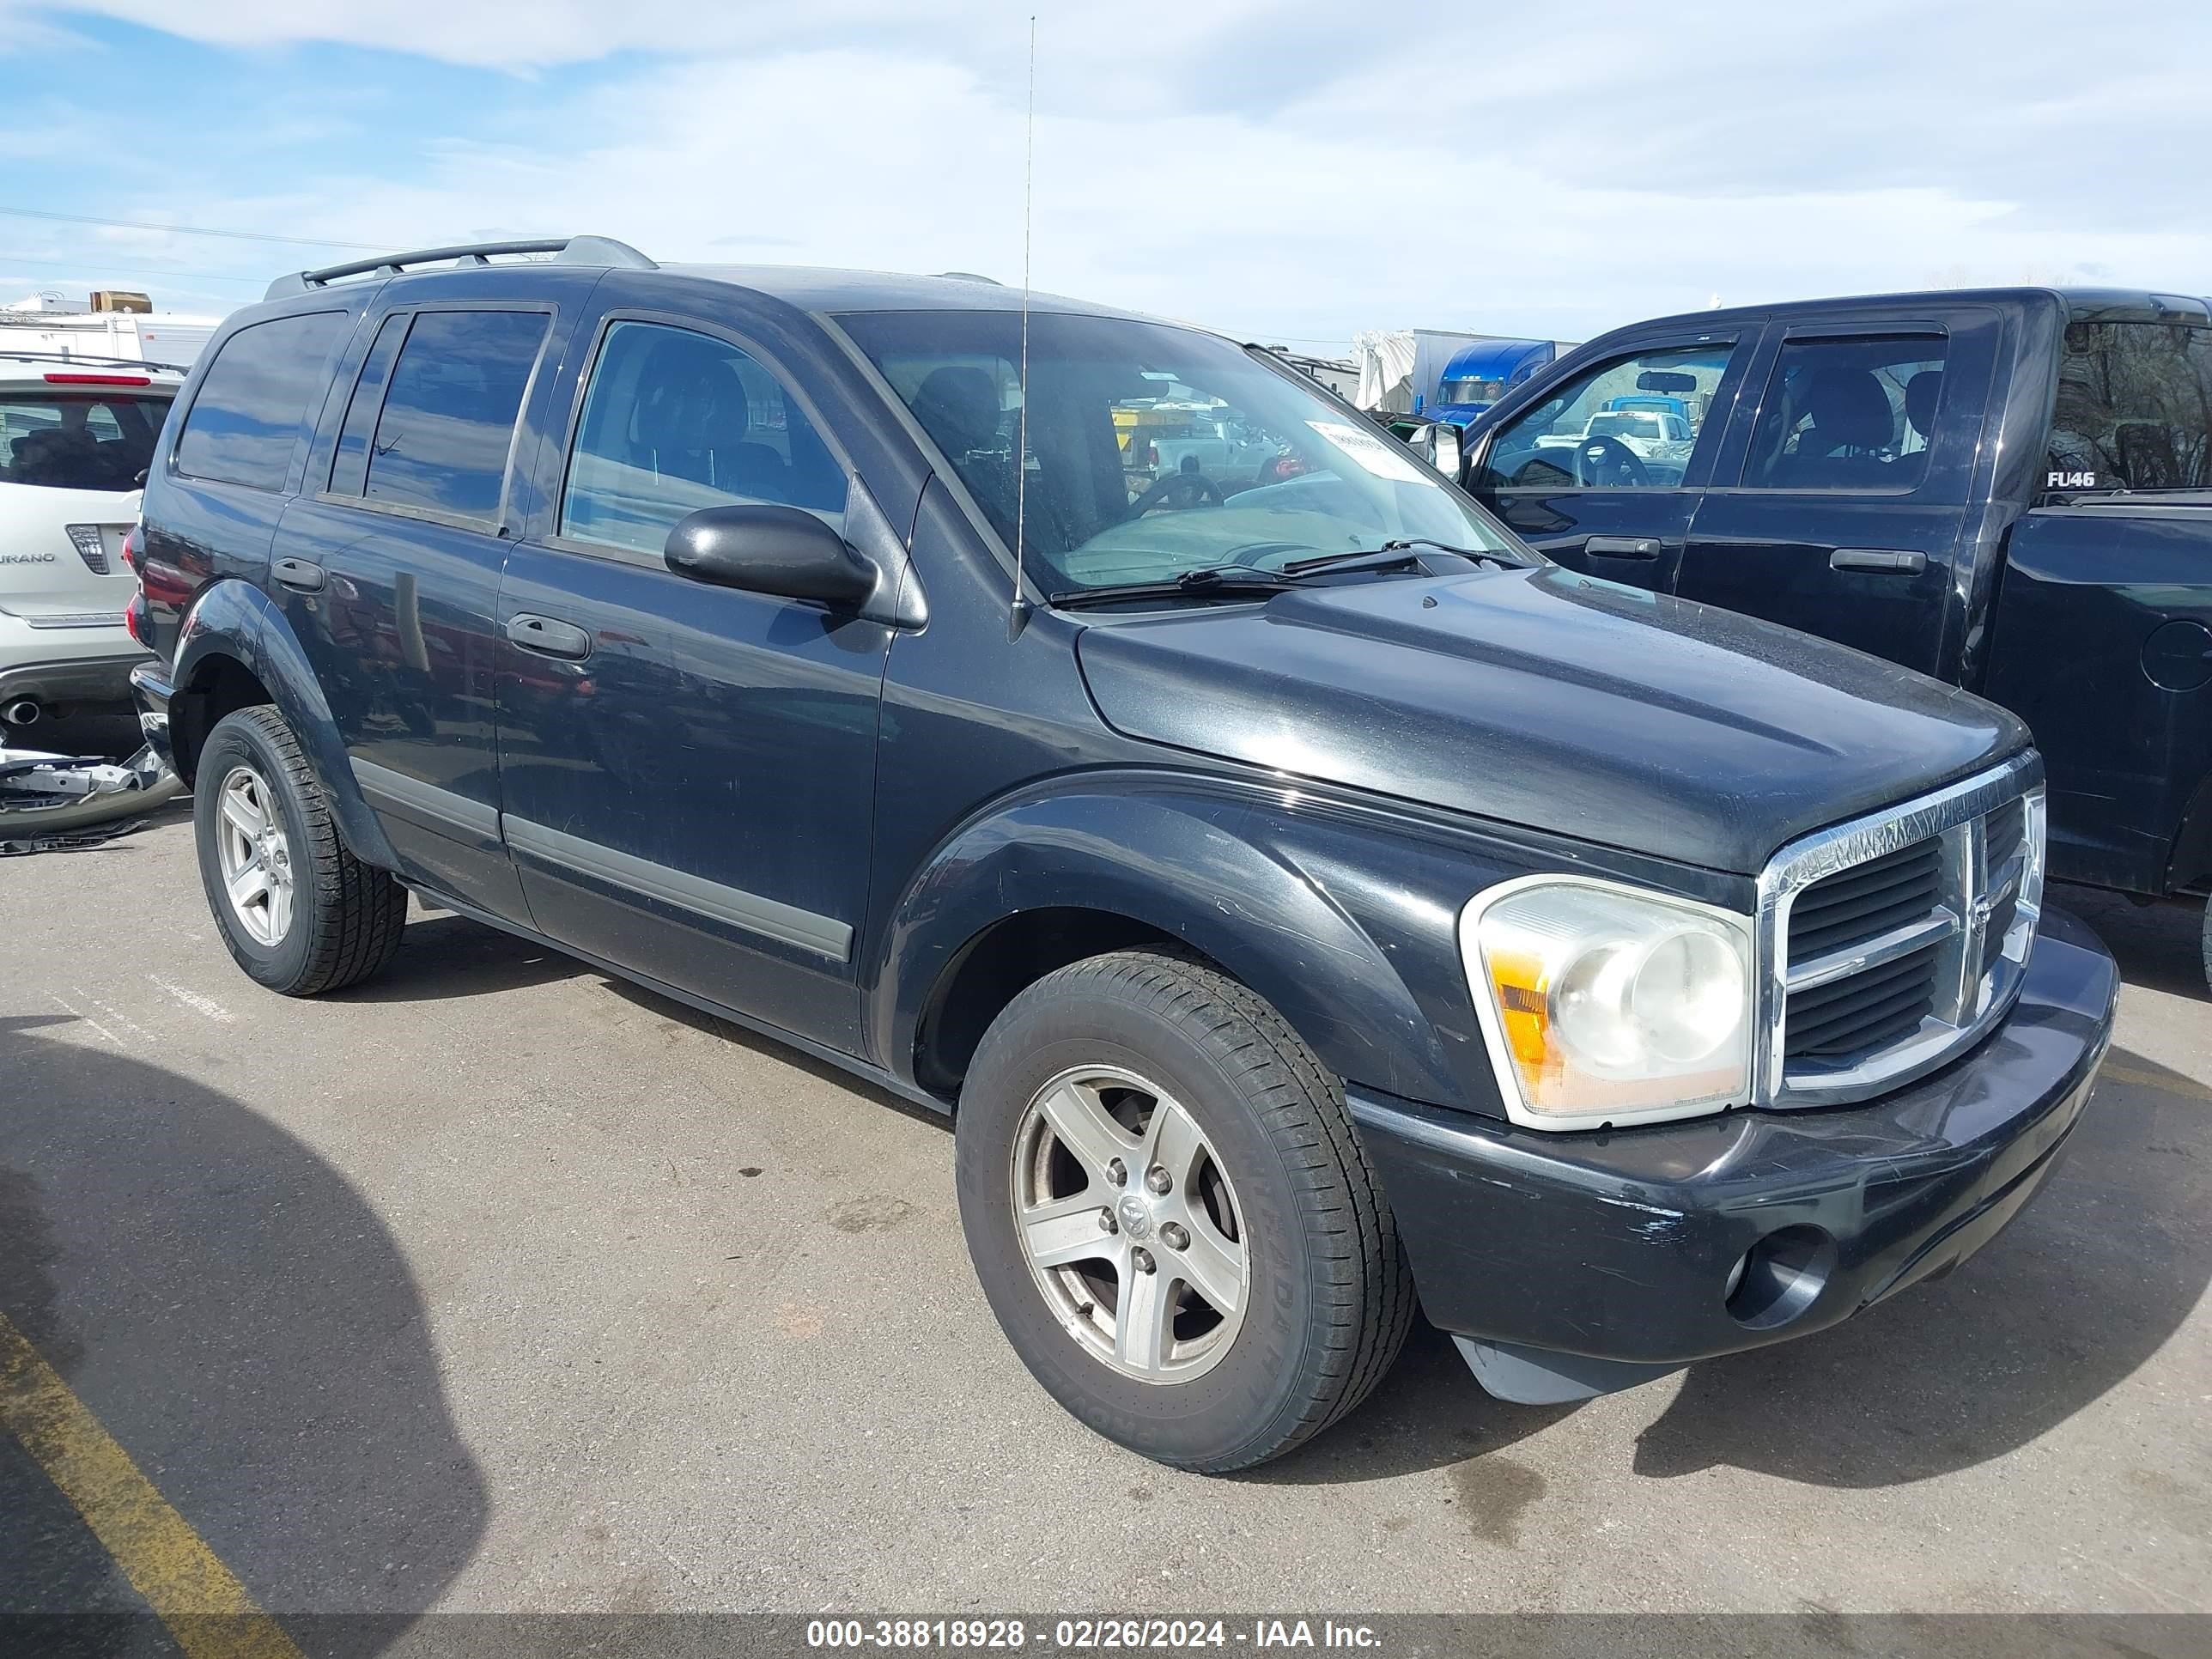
<point x="1901" y="939"/>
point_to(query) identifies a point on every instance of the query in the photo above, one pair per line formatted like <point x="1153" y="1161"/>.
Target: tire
<point x="2207" y="943"/>
<point x="341" y="920"/>
<point x="1285" y="1218"/>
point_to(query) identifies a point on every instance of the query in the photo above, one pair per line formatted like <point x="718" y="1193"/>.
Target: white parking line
<point x="75" y="1012"/>
<point x="193" y="1000"/>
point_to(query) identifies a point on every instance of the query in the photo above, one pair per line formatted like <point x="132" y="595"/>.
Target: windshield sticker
<point x="1370" y="451"/>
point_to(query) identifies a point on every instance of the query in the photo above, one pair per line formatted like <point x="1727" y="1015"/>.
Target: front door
<point x="1602" y="472"/>
<point x="1838" y="502"/>
<point x="688" y="770"/>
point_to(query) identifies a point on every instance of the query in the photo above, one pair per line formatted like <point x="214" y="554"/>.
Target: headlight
<point x="1605" y="1004"/>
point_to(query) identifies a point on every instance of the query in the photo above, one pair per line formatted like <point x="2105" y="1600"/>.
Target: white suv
<point x="76" y="435"/>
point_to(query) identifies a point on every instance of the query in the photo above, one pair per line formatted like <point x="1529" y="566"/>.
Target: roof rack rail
<point x="565" y="250"/>
<point x="88" y="360"/>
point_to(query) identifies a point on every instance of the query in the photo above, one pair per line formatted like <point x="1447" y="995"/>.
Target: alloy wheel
<point x="255" y="856"/>
<point x="1129" y="1224"/>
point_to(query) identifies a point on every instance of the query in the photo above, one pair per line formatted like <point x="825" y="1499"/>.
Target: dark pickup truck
<point x="2010" y="489"/>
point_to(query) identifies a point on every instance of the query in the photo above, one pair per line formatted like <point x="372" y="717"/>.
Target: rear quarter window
<point x="245" y="418"/>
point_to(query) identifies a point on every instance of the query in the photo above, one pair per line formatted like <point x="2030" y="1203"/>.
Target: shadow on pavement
<point x="2064" y="1305"/>
<point x="241" y="1322"/>
<point x="1428" y="1413"/>
<point x="683" y="1013"/>
<point x="2159" y="947"/>
<point x="445" y="957"/>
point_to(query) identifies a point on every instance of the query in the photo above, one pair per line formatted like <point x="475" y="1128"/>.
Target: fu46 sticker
<point x="2070" y="481"/>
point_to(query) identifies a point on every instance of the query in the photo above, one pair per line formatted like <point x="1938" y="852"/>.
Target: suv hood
<point x="1550" y="700"/>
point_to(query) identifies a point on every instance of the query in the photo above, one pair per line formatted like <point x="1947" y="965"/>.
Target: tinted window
<point x="78" y="440"/>
<point x="1847" y="415"/>
<point x="247" y="415"/>
<point x="448" y="423"/>
<point x="1632" y="423"/>
<point x="676" y="421"/>
<point x="2135" y="408"/>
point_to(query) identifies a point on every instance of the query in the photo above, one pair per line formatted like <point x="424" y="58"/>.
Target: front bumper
<point x="1569" y="1264"/>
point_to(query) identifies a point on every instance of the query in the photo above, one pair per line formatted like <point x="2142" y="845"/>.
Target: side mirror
<point x="770" y="549"/>
<point x="1437" y="443"/>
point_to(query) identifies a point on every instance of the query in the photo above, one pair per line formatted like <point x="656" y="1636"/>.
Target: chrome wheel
<point x="255" y="857"/>
<point x="1129" y="1224"/>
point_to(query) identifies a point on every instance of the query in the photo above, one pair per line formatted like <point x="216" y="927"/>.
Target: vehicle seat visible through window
<point x="959" y="407"/>
<point x="1852" y="422"/>
<point x="695" y="422"/>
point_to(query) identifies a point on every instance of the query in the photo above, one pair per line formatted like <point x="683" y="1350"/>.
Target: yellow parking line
<point x="2180" y="1087"/>
<point x="200" y="1600"/>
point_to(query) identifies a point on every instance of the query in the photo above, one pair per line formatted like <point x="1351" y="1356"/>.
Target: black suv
<point x="1302" y="891"/>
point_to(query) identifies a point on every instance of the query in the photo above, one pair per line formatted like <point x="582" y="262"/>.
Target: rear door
<point x="1840" y="495"/>
<point x="1600" y="479"/>
<point x="389" y="565"/>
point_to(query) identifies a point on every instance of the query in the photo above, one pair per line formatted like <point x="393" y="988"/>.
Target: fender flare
<point x="234" y="620"/>
<point x="1165" y="859"/>
<point x="2191" y="850"/>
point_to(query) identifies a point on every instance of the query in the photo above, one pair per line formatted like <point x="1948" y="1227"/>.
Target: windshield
<point x="78" y="440"/>
<point x="2135" y="408"/>
<point x="1470" y="391"/>
<point x="1154" y="450"/>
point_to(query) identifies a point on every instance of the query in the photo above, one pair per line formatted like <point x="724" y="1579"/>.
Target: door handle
<point x="1881" y="561"/>
<point x="302" y="576"/>
<point x="1623" y="547"/>
<point x="548" y="638"/>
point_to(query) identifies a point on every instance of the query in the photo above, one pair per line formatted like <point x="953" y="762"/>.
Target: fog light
<point x="1780" y="1276"/>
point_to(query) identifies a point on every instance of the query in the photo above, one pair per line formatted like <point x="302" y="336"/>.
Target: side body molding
<point x="1237" y="873"/>
<point x="233" y="619"/>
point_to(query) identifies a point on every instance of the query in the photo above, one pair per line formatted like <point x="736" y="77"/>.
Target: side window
<point x="1848" y="414"/>
<point x="675" y="421"/>
<point x="245" y="418"/>
<point x="1632" y="423"/>
<point x="448" y="423"/>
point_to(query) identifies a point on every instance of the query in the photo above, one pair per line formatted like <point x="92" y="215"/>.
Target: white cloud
<point x="1285" y="171"/>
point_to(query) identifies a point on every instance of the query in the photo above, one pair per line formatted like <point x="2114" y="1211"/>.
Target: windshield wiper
<point x="1393" y="552"/>
<point x="1214" y="581"/>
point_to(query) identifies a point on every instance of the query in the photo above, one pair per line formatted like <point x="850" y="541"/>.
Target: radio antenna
<point x="1014" y="610"/>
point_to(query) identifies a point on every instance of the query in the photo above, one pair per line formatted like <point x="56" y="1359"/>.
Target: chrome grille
<point x="1898" y="939"/>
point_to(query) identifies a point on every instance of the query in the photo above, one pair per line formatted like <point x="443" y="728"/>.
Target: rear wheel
<point x="299" y="912"/>
<point x="1171" y="1216"/>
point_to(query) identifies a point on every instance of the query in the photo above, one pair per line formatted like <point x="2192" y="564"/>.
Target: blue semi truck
<point x="1479" y="374"/>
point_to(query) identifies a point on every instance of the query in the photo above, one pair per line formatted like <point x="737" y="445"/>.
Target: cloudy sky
<point x="1276" y="169"/>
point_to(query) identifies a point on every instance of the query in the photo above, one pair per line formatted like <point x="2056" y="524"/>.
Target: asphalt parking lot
<point x="496" y="1285"/>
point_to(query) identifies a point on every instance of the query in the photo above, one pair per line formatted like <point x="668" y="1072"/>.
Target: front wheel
<point x="1171" y="1215"/>
<point x="298" y="911"/>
